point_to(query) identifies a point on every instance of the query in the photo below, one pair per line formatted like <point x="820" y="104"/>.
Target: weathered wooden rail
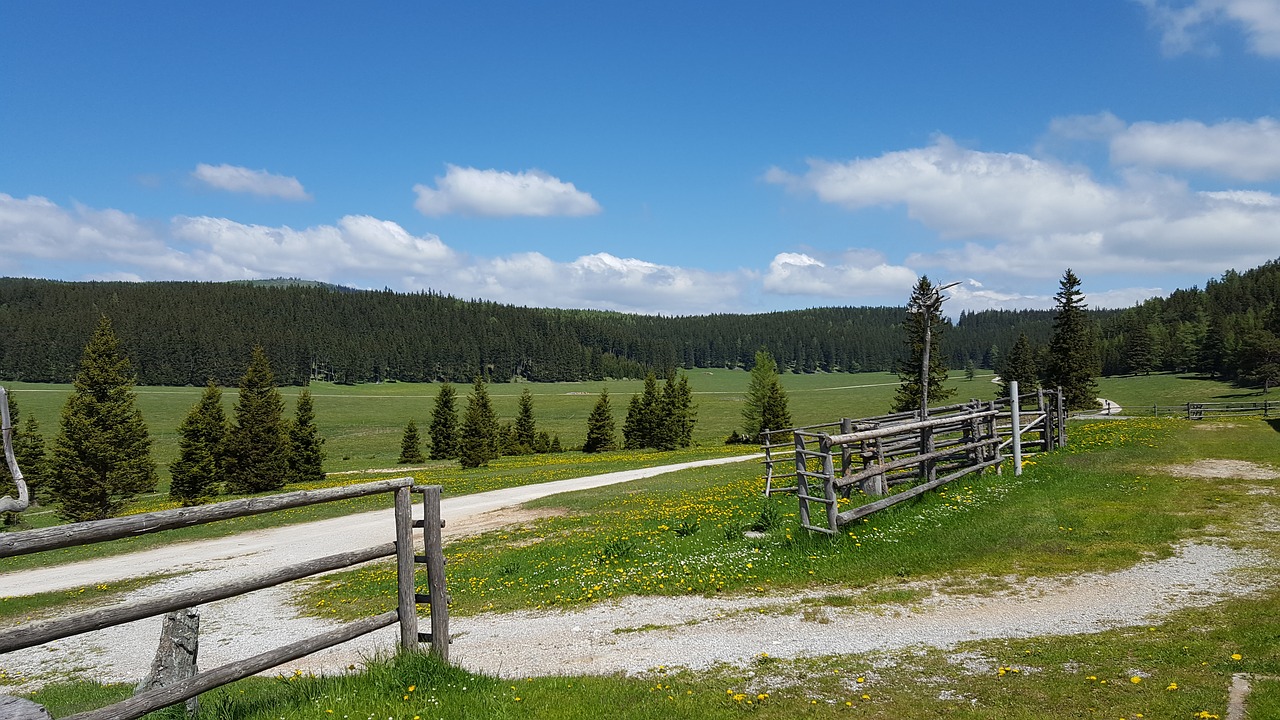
<point x="1216" y="410"/>
<point x="902" y="455"/>
<point x="405" y="613"/>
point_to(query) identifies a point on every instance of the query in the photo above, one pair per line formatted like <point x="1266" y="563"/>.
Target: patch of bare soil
<point x="1210" y="468"/>
<point x="494" y="519"/>
<point x="1215" y="425"/>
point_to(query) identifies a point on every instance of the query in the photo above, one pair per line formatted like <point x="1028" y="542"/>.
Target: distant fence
<point x="1216" y="410"/>
<point x="86" y="533"/>
<point x="902" y="455"/>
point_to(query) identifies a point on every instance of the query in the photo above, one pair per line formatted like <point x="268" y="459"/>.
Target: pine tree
<point x="642" y="429"/>
<point x="765" y="407"/>
<point x="970" y="370"/>
<point x="102" y="456"/>
<point x="33" y="461"/>
<point x="526" y="430"/>
<point x="306" y="447"/>
<point x="257" y="445"/>
<point x="198" y="470"/>
<point x="410" y="445"/>
<point x="478" y="441"/>
<point x="601" y="431"/>
<point x="1019" y="365"/>
<point x="444" y="424"/>
<point x="1073" y="355"/>
<point x="924" y="318"/>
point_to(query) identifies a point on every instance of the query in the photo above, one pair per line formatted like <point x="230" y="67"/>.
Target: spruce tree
<point x="1019" y="365"/>
<point x="1073" y="356"/>
<point x="677" y="414"/>
<point x="642" y="428"/>
<point x="306" y="447"/>
<point x="765" y="407"/>
<point x="924" y="318"/>
<point x="198" y="470"/>
<point x="410" y="445"/>
<point x="526" y="430"/>
<point x="257" y="445"/>
<point x="601" y="431"/>
<point x="444" y="424"/>
<point x="478" y="440"/>
<point x="102" y="456"/>
<point x="33" y="461"/>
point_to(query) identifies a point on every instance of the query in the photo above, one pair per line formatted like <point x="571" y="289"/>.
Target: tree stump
<point x="12" y="708"/>
<point x="175" y="658"/>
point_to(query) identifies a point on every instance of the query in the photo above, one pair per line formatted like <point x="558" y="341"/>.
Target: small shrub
<point x="617" y="549"/>
<point x="770" y="518"/>
<point x="687" y="528"/>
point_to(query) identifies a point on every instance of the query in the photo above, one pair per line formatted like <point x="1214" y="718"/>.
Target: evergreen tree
<point x="924" y="317"/>
<point x="306" y="453"/>
<point x="444" y="424"/>
<point x="257" y="453"/>
<point x="1019" y="365"/>
<point x="478" y="440"/>
<point x="410" y="445"/>
<point x="970" y="370"/>
<point x="601" y="431"/>
<point x="678" y="415"/>
<point x="33" y="461"/>
<point x="197" y="471"/>
<point x="766" y="403"/>
<point x="1073" y="356"/>
<point x="642" y="427"/>
<point x="526" y="430"/>
<point x="102" y="456"/>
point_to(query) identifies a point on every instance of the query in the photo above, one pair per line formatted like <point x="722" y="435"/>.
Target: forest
<point x="187" y="333"/>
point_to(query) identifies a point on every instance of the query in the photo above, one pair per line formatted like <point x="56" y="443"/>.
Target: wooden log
<point x="846" y="451"/>
<point x="849" y="516"/>
<point x="802" y="483"/>
<point x="405" y="569"/>
<point x="434" y="549"/>
<point x="903" y="428"/>
<point x="32" y="634"/>
<point x="14" y="708"/>
<point x="829" y="488"/>
<point x="94" y="531"/>
<point x="176" y="655"/>
<point x="906" y="462"/>
<point x="23" y="500"/>
<point x="143" y="703"/>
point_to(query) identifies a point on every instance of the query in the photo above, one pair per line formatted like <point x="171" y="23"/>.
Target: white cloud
<point x="39" y="238"/>
<point x="1236" y="149"/>
<point x="1100" y="126"/>
<point x="1032" y="218"/>
<point x="858" y="274"/>
<point x="1185" y="27"/>
<point x="233" y="178"/>
<point x="496" y="193"/>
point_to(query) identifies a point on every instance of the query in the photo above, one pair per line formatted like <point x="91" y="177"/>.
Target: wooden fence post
<point x="433" y="548"/>
<point x="846" y="451"/>
<point x="1015" y="409"/>
<point x="829" y="483"/>
<point x="768" y="461"/>
<point x="802" y="482"/>
<point x="405" y="590"/>
<point x="1062" y="418"/>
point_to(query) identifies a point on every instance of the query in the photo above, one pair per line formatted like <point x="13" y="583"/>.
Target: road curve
<point x="272" y="548"/>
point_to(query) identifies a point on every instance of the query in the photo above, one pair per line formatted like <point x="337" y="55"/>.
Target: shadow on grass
<point x="1275" y="424"/>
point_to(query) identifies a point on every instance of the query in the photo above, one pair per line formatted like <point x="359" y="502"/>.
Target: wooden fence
<point x="900" y="456"/>
<point x="32" y="541"/>
<point x="1216" y="410"/>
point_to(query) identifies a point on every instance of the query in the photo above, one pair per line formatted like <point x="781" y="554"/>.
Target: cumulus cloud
<point x="234" y="178"/>
<point x="1235" y="149"/>
<point x="1185" y="27"/>
<point x="496" y="193"/>
<point x="857" y="274"/>
<point x="40" y="238"/>
<point x="1029" y="217"/>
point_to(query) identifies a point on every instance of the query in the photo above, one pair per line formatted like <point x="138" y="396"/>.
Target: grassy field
<point x="1106" y="502"/>
<point x="362" y="424"/>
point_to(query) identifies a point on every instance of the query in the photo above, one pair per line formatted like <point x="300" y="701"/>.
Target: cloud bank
<point x="1185" y="27"/>
<point x="233" y="178"/>
<point x="495" y="193"/>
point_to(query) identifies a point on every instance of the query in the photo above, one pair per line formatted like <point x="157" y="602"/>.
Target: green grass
<point x="1137" y="393"/>
<point x="1103" y="504"/>
<point x="26" y="608"/>
<point x="501" y="473"/>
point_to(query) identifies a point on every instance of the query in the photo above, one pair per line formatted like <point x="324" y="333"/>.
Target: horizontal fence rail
<point x="899" y="456"/>
<point x="1212" y="410"/>
<point x="407" y="599"/>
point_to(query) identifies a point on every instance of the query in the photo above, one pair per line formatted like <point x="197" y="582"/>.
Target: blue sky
<point x="679" y="158"/>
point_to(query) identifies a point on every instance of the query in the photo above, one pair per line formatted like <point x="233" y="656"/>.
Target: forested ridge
<point x="186" y="333"/>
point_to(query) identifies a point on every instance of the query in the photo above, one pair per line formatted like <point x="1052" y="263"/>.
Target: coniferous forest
<point x="188" y="333"/>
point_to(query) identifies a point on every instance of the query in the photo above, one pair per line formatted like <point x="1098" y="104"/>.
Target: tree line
<point x="186" y="333"/>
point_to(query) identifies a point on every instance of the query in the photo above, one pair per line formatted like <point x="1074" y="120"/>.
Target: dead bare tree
<point x="7" y="503"/>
